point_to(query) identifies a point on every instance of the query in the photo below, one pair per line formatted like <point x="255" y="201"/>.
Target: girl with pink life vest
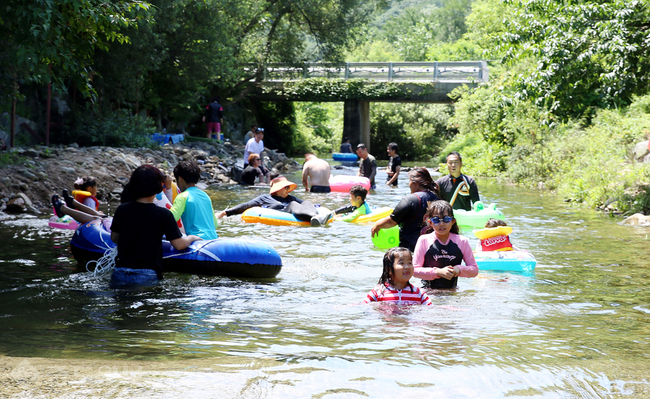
<point x="394" y="284"/>
<point x="494" y="237"/>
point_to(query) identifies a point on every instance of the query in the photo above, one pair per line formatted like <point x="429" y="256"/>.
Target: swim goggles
<point x="437" y="220"/>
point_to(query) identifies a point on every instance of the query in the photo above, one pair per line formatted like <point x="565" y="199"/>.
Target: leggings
<point x="302" y="211"/>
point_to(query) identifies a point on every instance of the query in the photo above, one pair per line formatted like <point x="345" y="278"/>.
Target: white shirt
<point x="253" y="147"/>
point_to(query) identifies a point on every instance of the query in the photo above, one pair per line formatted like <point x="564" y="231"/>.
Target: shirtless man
<point x="318" y="170"/>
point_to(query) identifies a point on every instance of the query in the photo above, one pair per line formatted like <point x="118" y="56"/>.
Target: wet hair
<point x="145" y="181"/>
<point x="361" y="145"/>
<point x="359" y="191"/>
<point x="422" y="177"/>
<point x="189" y="171"/>
<point x="442" y="208"/>
<point x="253" y="156"/>
<point x="393" y="146"/>
<point x="389" y="264"/>
<point x="457" y="154"/>
<point x="83" y="183"/>
<point x="494" y="223"/>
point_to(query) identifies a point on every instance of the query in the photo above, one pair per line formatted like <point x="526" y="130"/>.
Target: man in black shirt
<point x="456" y="188"/>
<point x="394" y="165"/>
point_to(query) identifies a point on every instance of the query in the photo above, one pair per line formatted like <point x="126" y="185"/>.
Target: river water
<point x="578" y="326"/>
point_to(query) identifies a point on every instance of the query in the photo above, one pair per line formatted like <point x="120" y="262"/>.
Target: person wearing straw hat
<point x="278" y="198"/>
<point x="456" y="188"/>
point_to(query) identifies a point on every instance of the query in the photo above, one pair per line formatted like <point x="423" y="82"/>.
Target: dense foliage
<point x="167" y="57"/>
<point x="44" y="41"/>
<point x="587" y="53"/>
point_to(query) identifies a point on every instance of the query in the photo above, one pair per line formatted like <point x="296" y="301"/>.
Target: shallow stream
<point x="578" y="326"/>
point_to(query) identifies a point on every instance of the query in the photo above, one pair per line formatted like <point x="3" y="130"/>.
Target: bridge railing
<point x="451" y="71"/>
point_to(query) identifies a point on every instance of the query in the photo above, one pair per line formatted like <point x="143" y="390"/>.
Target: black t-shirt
<point x="367" y="167"/>
<point x="141" y="228"/>
<point x="448" y="185"/>
<point x="409" y="215"/>
<point x="213" y="112"/>
<point x="248" y="175"/>
<point x="393" y="163"/>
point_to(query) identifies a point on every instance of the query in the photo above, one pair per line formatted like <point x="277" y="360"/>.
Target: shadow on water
<point x="575" y="327"/>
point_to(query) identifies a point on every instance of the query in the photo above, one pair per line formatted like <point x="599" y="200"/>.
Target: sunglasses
<point x="437" y="220"/>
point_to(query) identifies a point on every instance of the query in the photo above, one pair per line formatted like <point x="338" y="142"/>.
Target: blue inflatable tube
<point x="345" y="157"/>
<point x="221" y="257"/>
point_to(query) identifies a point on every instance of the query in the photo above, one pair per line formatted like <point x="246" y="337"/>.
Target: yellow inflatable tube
<point x="376" y="214"/>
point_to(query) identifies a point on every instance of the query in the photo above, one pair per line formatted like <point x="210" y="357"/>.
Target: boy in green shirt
<point x="358" y="200"/>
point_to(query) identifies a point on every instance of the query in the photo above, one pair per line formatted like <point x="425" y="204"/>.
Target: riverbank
<point x="28" y="185"/>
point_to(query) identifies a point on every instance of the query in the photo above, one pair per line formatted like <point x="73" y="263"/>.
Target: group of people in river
<point x="430" y="246"/>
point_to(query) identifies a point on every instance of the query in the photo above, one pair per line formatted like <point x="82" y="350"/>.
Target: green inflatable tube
<point x="477" y="217"/>
<point x="386" y="238"/>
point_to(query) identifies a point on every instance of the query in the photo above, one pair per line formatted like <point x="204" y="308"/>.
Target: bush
<point x="118" y="129"/>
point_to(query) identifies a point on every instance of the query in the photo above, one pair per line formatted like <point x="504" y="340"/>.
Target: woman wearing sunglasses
<point x="439" y="256"/>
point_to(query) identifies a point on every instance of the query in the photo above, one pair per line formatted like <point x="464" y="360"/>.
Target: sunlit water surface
<point x="578" y="326"/>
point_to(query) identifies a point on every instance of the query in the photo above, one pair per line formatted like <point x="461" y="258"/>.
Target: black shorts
<point x="320" y="189"/>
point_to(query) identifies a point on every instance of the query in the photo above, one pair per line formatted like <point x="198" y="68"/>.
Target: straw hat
<point x="281" y="182"/>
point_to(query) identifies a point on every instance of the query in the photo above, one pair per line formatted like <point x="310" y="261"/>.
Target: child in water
<point x="192" y="205"/>
<point x="83" y="206"/>
<point x="394" y="285"/>
<point x="494" y="237"/>
<point x="438" y="256"/>
<point x="359" y="206"/>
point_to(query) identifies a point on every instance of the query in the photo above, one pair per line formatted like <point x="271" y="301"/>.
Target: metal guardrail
<point x="452" y="71"/>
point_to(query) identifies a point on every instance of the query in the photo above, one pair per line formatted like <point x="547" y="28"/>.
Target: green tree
<point x="588" y="53"/>
<point x="52" y="41"/>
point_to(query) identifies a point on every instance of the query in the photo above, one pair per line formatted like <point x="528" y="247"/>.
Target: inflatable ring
<point x="493" y="232"/>
<point x="228" y="257"/>
<point x="477" y="217"/>
<point x="343" y="183"/>
<point x="65" y="222"/>
<point x="274" y="217"/>
<point x="376" y="214"/>
<point x="516" y="261"/>
<point x="345" y="157"/>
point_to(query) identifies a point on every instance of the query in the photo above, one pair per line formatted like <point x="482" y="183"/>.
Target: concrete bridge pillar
<point x="356" y="122"/>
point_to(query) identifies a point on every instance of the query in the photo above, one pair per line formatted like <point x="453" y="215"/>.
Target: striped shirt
<point x="406" y="296"/>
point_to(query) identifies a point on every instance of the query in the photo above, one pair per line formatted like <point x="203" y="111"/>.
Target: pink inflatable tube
<point x="343" y="183"/>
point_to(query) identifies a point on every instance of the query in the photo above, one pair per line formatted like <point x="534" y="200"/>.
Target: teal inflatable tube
<point x="515" y="261"/>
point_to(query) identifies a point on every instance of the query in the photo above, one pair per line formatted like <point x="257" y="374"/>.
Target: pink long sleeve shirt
<point x="431" y="253"/>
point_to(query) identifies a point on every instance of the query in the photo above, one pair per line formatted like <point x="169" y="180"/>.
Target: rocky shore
<point x="27" y="187"/>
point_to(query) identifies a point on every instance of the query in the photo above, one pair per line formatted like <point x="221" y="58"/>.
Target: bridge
<point x="421" y="82"/>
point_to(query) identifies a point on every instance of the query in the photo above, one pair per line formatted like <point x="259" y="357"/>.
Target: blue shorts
<point x="123" y="276"/>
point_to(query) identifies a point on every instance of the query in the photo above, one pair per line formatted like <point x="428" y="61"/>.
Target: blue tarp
<point x="166" y="138"/>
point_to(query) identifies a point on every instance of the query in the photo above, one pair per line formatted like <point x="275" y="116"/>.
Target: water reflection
<point x="576" y="326"/>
